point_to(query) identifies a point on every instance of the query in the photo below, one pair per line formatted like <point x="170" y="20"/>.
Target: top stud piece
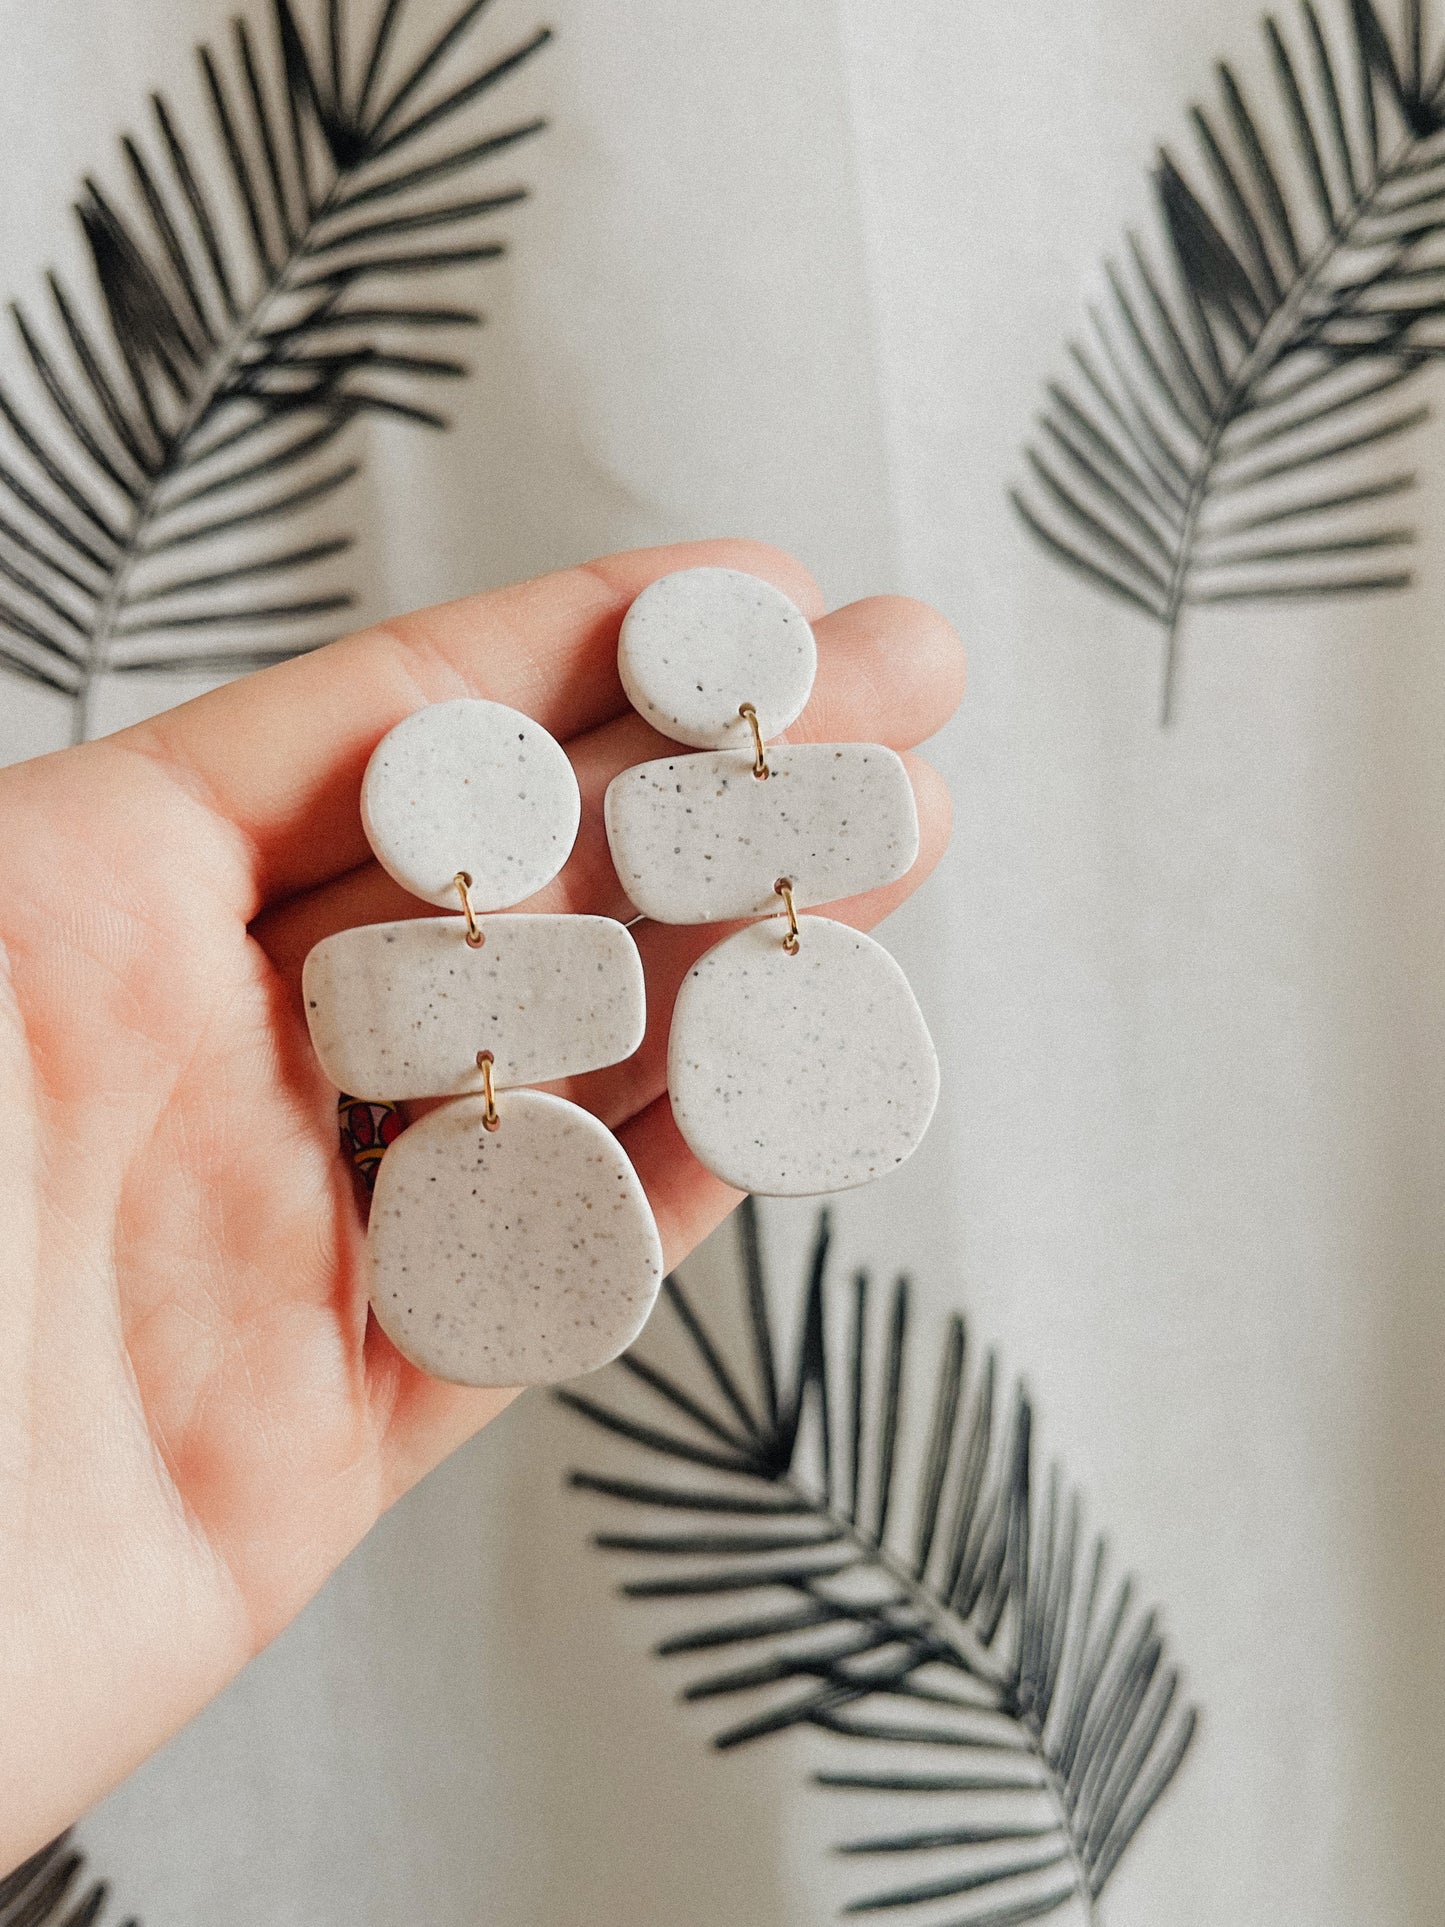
<point x="698" y="644"/>
<point x="471" y="787"/>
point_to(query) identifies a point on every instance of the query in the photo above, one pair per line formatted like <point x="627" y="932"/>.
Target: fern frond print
<point x="1228" y="430"/>
<point x="947" y="1624"/>
<point x="51" y="1889"/>
<point x="171" y="428"/>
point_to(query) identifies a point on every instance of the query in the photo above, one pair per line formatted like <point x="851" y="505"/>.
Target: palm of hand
<point x="186" y="1385"/>
<point x="197" y="1420"/>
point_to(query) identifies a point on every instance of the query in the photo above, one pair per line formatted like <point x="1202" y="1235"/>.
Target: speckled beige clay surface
<point x="792" y="1076"/>
<point x="697" y="839"/>
<point x="698" y="643"/>
<point x="515" y="1257"/>
<point x="475" y="786"/>
<point x="400" y="1010"/>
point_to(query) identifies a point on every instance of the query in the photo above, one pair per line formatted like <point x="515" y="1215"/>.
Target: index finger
<point x="280" y="754"/>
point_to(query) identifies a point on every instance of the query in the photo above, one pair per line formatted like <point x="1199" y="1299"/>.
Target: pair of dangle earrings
<point x="510" y="1239"/>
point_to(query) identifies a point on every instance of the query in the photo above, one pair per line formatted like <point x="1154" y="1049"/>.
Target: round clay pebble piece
<point x="795" y="1075"/>
<point x="470" y="786"/>
<point x="518" y="1256"/>
<point x="698" y="644"/>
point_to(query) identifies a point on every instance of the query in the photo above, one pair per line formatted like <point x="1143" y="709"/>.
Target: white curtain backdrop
<point x="801" y="272"/>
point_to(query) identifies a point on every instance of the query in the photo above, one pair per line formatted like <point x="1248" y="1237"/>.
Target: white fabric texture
<point x="801" y="273"/>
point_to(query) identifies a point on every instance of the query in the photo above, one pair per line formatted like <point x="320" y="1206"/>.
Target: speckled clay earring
<point x="798" y="1061"/>
<point x="510" y="1241"/>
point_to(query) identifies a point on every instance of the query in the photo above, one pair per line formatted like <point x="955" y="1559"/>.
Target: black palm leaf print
<point x="51" y="1890"/>
<point x="1226" y="432"/>
<point x="948" y="1626"/>
<point x="248" y="307"/>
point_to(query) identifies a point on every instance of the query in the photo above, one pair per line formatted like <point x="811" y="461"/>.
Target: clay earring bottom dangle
<point x="798" y="1060"/>
<point x="510" y="1240"/>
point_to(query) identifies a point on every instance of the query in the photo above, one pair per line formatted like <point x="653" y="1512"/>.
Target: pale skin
<point x="198" y="1417"/>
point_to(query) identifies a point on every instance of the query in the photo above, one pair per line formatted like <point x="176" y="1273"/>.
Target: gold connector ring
<point x="784" y="888"/>
<point x="760" y="761"/>
<point x="476" y="937"/>
<point x="490" y="1119"/>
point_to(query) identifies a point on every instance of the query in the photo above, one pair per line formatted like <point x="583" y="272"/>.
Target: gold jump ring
<point x="490" y="1119"/>
<point x="760" y="761"/>
<point x="784" y="888"/>
<point x="476" y="937"/>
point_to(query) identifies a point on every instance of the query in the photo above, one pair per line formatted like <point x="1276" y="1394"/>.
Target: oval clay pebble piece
<point x="792" y="1075"/>
<point x="697" y="644"/>
<point x="474" y="786"/>
<point x="699" y="839"/>
<point x="511" y="1257"/>
<point x="400" y="1010"/>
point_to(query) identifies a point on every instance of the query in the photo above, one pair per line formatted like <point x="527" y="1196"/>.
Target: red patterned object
<point x="366" y="1130"/>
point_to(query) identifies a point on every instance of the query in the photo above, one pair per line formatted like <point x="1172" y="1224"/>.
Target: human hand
<point x="198" y="1419"/>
